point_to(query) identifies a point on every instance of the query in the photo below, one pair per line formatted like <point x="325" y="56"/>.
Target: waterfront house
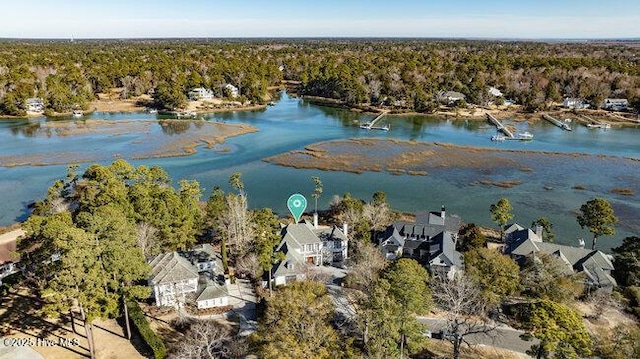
<point x="200" y="93"/>
<point x="195" y="276"/>
<point x="574" y="103"/>
<point x="231" y="90"/>
<point x="430" y="240"/>
<point x="335" y="245"/>
<point x="521" y="243"/>
<point x="34" y="104"/>
<point x="304" y="245"/>
<point x="450" y="97"/>
<point x="172" y="278"/>
<point x="615" y="104"/>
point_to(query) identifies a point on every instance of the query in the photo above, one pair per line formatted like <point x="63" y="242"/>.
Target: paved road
<point x="503" y="337"/>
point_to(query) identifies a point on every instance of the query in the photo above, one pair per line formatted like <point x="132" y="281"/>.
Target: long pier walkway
<point x="500" y="126"/>
<point x="556" y="122"/>
<point x="372" y="125"/>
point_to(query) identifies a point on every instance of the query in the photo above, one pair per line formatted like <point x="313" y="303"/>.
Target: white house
<point x="172" y="278"/>
<point x="303" y="245"/>
<point x="615" y="104"/>
<point x="213" y="295"/>
<point x="231" y="90"/>
<point x="576" y="103"/>
<point x="449" y="97"/>
<point x="495" y="92"/>
<point x="34" y="104"/>
<point x="200" y="93"/>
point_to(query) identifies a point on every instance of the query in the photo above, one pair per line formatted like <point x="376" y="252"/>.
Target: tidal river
<point x="34" y="153"/>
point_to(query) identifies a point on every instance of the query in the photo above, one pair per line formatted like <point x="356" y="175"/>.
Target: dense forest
<point x="404" y="74"/>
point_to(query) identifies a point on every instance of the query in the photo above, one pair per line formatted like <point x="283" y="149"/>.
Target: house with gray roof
<point x="615" y="104"/>
<point x="192" y="276"/>
<point x="335" y="244"/>
<point x="449" y="97"/>
<point x="431" y="240"/>
<point x="304" y="245"/>
<point x="172" y="278"/>
<point x="521" y="243"/>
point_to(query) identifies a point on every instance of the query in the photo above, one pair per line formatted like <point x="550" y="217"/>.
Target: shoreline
<point x="479" y="113"/>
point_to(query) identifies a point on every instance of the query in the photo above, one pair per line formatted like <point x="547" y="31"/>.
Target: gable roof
<point x="299" y="234"/>
<point x="170" y="268"/>
<point x="213" y="291"/>
<point x="330" y="234"/>
<point x="593" y="263"/>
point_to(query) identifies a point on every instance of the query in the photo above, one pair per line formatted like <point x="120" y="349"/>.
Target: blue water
<point x="292" y="124"/>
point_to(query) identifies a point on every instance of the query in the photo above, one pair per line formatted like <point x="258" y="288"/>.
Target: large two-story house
<point x="304" y="245"/>
<point x="187" y="277"/>
<point x="431" y="240"/>
<point x="522" y="243"/>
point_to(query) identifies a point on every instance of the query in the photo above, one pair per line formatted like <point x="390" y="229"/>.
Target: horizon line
<point x="622" y="38"/>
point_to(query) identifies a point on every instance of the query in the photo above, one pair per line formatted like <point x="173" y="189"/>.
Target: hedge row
<point x="150" y="337"/>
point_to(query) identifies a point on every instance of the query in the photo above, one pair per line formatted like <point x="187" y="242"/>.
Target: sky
<point x="536" y="19"/>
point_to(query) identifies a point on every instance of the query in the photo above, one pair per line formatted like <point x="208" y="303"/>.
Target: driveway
<point x="503" y="337"/>
<point x="243" y="300"/>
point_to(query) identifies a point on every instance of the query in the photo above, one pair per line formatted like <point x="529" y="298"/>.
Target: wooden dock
<point x="500" y="126"/>
<point x="556" y="122"/>
<point x="372" y="125"/>
<point x="591" y="123"/>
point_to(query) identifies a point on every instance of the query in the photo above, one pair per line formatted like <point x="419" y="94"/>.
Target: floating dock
<point x="500" y="126"/>
<point x="563" y="125"/>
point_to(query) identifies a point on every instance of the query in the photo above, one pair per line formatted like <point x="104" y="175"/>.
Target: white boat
<point x="152" y="110"/>
<point x="186" y="115"/>
<point x="498" y="138"/>
<point x="524" y="135"/>
<point x="599" y="125"/>
<point x="77" y="113"/>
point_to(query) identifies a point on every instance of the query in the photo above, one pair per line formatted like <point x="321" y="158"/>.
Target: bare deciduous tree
<point x="147" y="237"/>
<point x="205" y="339"/>
<point x="380" y="216"/>
<point x="465" y="307"/>
<point x="237" y="224"/>
<point x="248" y="265"/>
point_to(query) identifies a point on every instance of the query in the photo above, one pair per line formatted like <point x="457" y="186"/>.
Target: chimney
<point x="315" y="220"/>
<point x="539" y="231"/>
<point x="581" y="242"/>
<point x="442" y="212"/>
<point x="345" y="228"/>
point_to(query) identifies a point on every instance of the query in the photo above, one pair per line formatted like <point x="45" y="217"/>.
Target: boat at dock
<point x="368" y="126"/>
<point x="524" y="136"/>
<point x="604" y="126"/>
<point x="77" y="113"/>
<point x="186" y="115"/>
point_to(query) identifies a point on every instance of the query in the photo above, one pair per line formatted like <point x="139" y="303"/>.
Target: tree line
<point x="398" y="74"/>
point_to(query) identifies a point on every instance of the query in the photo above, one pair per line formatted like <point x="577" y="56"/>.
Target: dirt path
<point x="8" y="245"/>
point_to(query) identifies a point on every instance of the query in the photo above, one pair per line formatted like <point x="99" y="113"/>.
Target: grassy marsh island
<point x="141" y="138"/>
<point x="489" y="167"/>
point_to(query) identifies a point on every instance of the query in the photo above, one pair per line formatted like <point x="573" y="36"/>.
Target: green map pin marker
<point x="297" y="204"/>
